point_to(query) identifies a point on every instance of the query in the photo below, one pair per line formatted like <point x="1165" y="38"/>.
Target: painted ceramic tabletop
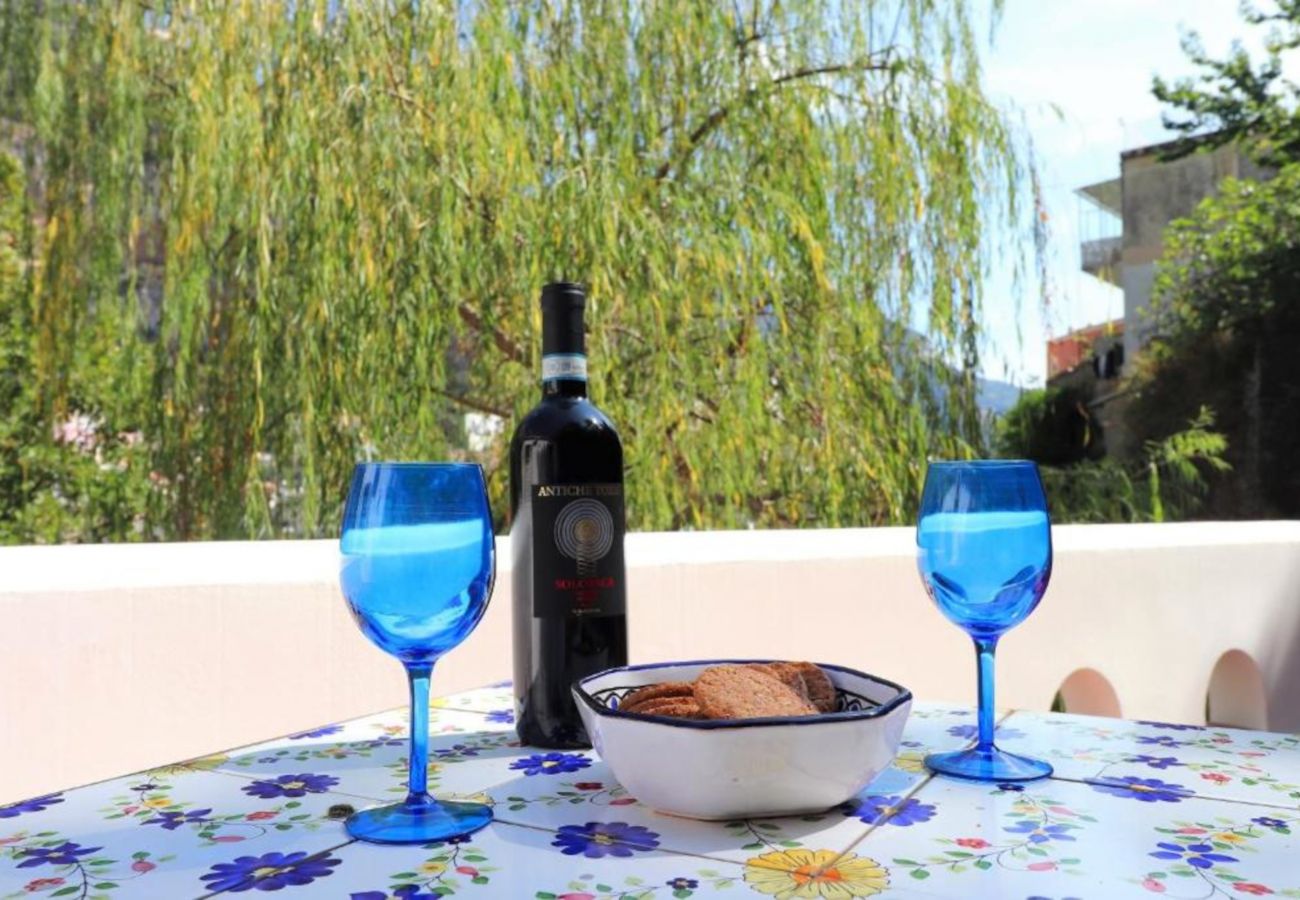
<point x="1136" y="808"/>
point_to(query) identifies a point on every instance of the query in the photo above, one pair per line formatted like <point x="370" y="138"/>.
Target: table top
<point x="1135" y="808"/>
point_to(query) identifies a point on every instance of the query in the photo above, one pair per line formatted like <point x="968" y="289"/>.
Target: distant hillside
<point x="996" y="396"/>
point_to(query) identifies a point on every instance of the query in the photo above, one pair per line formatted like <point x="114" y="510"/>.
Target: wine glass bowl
<point x="984" y="550"/>
<point x="418" y="561"/>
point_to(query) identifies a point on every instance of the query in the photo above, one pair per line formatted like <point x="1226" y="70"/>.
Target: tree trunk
<point x="1253" y="502"/>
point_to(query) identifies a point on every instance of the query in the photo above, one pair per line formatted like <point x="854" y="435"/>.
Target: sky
<point x="1080" y="73"/>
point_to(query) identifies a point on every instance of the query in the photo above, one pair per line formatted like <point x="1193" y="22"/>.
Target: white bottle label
<point x="569" y="366"/>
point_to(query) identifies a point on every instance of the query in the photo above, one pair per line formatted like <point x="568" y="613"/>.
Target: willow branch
<point x="510" y="348"/>
<point x="719" y="115"/>
<point x="471" y="403"/>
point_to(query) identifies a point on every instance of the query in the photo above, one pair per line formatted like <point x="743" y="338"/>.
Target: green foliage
<point x="1053" y="427"/>
<point x="1235" y="100"/>
<point x="1228" y="323"/>
<point x="273" y="238"/>
<point x="1168" y="482"/>
<point x="15" y="324"/>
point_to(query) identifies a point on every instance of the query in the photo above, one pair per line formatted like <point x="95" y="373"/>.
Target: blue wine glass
<point x="417" y="571"/>
<point x="984" y="548"/>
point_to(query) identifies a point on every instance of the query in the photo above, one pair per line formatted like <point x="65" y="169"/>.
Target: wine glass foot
<point x="988" y="764"/>
<point x="404" y="823"/>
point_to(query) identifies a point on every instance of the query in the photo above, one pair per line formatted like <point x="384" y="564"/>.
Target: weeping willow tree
<point x="271" y="238"/>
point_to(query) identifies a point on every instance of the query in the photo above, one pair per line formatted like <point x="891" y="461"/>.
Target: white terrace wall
<point x="117" y="658"/>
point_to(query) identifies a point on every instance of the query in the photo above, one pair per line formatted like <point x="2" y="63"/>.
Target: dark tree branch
<point x="512" y="351"/>
<point x="471" y="403"/>
<point x="719" y="115"/>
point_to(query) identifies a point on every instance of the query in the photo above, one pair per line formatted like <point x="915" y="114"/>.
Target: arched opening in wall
<point x="1236" y="697"/>
<point x="1087" y="692"/>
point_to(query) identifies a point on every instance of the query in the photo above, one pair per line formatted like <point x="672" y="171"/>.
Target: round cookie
<point x="674" y="707"/>
<point x="741" y="692"/>
<point x="817" y="685"/>
<point x="655" y="692"/>
<point x="788" y="674"/>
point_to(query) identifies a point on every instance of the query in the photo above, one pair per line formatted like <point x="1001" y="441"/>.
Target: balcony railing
<point x="1101" y="257"/>
<point x="115" y="658"/>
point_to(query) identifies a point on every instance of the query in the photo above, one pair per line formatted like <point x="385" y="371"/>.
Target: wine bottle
<point x="566" y="535"/>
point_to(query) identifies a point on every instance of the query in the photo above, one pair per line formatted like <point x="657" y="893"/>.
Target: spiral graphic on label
<point x="584" y="531"/>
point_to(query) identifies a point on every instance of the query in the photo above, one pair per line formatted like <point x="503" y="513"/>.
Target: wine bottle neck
<point x="564" y="375"/>
<point x="564" y="349"/>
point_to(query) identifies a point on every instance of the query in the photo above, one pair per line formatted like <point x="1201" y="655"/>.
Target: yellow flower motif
<point x="1229" y="838"/>
<point x="480" y="797"/>
<point x="158" y="802"/>
<point x="433" y="868"/>
<point x="911" y="761"/>
<point x="203" y="764"/>
<point x="811" y="874"/>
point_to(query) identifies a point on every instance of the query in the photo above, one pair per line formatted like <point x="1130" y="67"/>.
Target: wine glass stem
<point x="418" y="776"/>
<point x="984" y="650"/>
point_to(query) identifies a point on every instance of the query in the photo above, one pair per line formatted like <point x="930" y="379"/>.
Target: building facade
<point x="1123" y="220"/>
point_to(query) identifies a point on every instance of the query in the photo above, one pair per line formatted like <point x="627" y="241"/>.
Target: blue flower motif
<point x="64" y="854"/>
<point x="413" y="892"/>
<point x="1011" y="786"/>
<point x="457" y="750"/>
<point x="269" y="872"/>
<point x="971" y="732"/>
<point x="376" y="743"/>
<point x="1173" y="726"/>
<point x="1282" y="826"/>
<point x="682" y="884"/>
<point x="551" y="763"/>
<point x="1147" y="790"/>
<point x="147" y="786"/>
<point x="290" y="786"/>
<point x="316" y="732"/>
<point x="1196" y="855"/>
<point x="875" y="807"/>
<point x="1041" y="834"/>
<point x="35" y="804"/>
<point x="1162" y="740"/>
<point x="1155" y="762"/>
<point x="502" y="716"/>
<point x="170" y="821"/>
<point x="596" y="839"/>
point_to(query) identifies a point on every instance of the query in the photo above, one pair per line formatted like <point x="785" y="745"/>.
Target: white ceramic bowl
<point x="737" y="768"/>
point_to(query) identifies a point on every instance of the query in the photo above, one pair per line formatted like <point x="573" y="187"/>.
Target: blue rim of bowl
<point x="580" y="691"/>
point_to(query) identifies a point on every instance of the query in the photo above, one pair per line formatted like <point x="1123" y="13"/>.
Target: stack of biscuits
<point x="746" y="691"/>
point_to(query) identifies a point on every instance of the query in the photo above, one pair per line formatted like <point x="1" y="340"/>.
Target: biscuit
<point x="743" y="692"/>
<point x="674" y="707"/>
<point x="788" y="674"/>
<point x="654" y="692"/>
<point x="817" y="685"/>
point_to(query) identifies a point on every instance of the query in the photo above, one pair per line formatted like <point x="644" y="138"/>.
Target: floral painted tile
<point x="1220" y="763"/>
<point x="497" y="701"/>
<point x="588" y="861"/>
<point x="368" y="757"/>
<point x="931" y="728"/>
<point x="578" y="788"/>
<point x="157" y="834"/>
<point x="1056" y="839"/>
